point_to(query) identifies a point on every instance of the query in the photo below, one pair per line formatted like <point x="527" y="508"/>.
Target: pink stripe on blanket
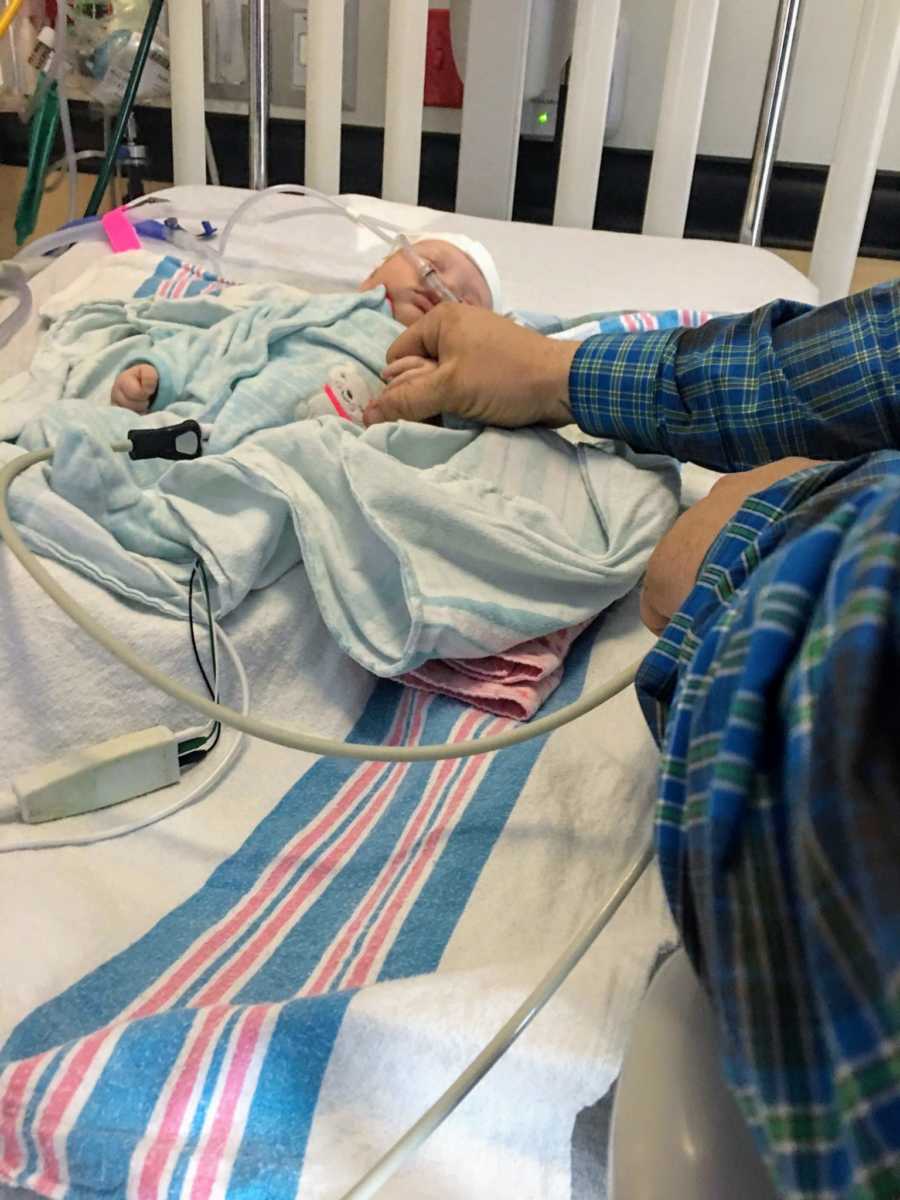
<point x="513" y="684"/>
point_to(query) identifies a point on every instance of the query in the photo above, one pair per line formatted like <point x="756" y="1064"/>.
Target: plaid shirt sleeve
<point x="740" y="391"/>
<point x="773" y="693"/>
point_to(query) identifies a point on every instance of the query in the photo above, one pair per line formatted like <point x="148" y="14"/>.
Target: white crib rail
<point x="680" y="116"/>
<point x="596" y="24"/>
<point x="407" y="31"/>
<point x="873" y="76"/>
<point x="324" y="73"/>
<point x="188" y="101"/>
<point x="492" y="106"/>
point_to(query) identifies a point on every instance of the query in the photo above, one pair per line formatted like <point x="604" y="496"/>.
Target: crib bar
<point x="873" y="75"/>
<point x="260" y="93"/>
<point x="188" y="102"/>
<point x="771" y="118"/>
<point x="407" y="31"/>
<point x="496" y="52"/>
<point x="680" y="116"/>
<point x="324" y="73"/>
<point x="596" y="22"/>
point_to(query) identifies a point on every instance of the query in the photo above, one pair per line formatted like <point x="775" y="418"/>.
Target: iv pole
<point x="260" y="93"/>
<point x="771" y="118"/>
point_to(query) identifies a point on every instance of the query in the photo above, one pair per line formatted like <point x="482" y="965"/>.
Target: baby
<point x="414" y="284"/>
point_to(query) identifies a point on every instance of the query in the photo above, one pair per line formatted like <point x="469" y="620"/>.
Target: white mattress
<point x="65" y="913"/>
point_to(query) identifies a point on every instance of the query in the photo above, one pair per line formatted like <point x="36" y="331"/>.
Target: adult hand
<point x="676" y="561"/>
<point x="486" y="369"/>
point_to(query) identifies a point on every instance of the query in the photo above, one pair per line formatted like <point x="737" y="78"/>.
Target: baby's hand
<point x="135" y="388"/>
<point x="405" y="366"/>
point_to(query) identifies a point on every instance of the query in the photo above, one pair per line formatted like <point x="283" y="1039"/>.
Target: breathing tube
<point x="388" y="232"/>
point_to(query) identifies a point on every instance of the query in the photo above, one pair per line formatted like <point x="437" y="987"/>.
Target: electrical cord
<point x="270" y="731"/>
<point x="195" y="748"/>
<point x="92" y="839"/>
<point x="387" y="1166"/>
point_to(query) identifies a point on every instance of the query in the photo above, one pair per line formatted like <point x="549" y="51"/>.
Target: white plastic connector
<point x="99" y="776"/>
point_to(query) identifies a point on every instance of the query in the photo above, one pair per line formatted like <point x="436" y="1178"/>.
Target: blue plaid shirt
<point x="773" y="693"/>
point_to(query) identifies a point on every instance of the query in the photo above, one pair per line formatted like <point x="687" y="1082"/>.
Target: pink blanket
<point x="514" y="684"/>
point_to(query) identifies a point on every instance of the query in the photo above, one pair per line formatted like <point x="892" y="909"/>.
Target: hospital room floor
<point x="868" y="271"/>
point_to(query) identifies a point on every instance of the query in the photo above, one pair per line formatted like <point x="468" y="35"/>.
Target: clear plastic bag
<point x="105" y="35"/>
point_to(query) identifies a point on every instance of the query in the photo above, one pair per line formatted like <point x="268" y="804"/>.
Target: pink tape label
<point x="120" y="232"/>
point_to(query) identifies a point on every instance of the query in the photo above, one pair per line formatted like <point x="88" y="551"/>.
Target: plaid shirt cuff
<point x="614" y="383"/>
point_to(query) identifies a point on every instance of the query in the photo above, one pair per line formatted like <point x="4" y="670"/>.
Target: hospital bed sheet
<point x="541" y="837"/>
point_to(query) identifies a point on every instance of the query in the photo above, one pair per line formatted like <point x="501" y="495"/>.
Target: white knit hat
<point x="479" y="255"/>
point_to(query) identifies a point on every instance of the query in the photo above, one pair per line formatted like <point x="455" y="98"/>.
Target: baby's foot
<point x="135" y="388"/>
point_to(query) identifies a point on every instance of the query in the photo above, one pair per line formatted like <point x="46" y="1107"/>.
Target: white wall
<point x="736" y="79"/>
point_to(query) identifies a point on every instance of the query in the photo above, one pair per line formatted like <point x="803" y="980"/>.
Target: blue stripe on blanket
<point x="177" y="280"/>
<point x="234" y="1053"/>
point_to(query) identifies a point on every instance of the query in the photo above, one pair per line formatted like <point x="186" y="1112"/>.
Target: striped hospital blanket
<point x="192" y="1064"/>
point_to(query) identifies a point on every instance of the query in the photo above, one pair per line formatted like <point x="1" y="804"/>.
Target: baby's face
<point x="410" y="297"/>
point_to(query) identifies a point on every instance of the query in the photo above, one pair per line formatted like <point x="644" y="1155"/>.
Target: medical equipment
<point x="141" y="55"/>
<point x="428" y="274"/>
<point x="131" y="765"/>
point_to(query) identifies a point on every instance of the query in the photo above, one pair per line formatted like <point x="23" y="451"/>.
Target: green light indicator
<point x="543" y="118"/>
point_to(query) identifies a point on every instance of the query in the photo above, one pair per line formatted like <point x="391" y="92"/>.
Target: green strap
<point x="41" y="138"/>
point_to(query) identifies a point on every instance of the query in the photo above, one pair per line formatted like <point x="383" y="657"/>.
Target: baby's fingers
<point x="410" y="362"/>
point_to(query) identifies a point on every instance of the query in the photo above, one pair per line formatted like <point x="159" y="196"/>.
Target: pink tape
<point x="336" y="404"/>
<point x="120" y="232"/>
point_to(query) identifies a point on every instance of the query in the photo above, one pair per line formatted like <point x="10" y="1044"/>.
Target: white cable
<point x="270" y="731"/>
<point x="91" y="839"/>
<point x="61" y="165"/>
<point x="375" y="1179"/>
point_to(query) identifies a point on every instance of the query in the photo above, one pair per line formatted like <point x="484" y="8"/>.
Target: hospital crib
<point x="673" y="1035"/>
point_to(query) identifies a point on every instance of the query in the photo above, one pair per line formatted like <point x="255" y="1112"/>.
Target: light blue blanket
<point x="420" y="542"/>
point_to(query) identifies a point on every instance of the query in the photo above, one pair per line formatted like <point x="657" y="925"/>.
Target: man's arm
<point x="741" y="391"/>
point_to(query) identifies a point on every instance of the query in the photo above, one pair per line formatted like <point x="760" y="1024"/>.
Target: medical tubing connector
<point x="387" y="1166"/>
<point x="270" y="731"/>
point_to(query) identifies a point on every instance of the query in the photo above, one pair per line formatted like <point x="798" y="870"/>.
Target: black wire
<point x="199" y="751"/>
<point x="209" y="686"/>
